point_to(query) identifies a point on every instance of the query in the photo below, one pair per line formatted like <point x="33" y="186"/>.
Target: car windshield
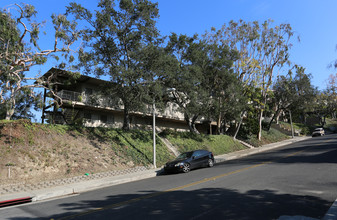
<point x="184" y="155"/>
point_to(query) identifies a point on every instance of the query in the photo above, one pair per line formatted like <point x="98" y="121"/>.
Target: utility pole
<point x="154" y="134"/>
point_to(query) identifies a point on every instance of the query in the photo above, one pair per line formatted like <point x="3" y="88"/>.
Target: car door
<point x="204" y="156"/>
<point x="197" y="159"/>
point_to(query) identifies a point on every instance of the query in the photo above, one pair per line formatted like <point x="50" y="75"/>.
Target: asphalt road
<point x="298" y="179"/>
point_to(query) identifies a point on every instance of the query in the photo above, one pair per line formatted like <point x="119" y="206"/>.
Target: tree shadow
<point x="134" y="147"/>
<point x="206" y="203"/>
<point x="325" y="152"/>
<point x="213" y="203"/>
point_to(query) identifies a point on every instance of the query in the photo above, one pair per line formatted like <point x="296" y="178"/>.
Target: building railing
<point x="103" y="102"/>
<point x="70" y="95"/>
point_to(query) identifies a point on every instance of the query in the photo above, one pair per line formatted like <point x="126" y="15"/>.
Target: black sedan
<point x="190" y="160"/>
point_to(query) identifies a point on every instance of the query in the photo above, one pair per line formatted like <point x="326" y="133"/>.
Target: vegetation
<point x="218" y="144"/>
<point x="226" y="75"/>
<point x="39" y="152"/>
<point x="20" y="51"/>
<point x="268" y="137"/>
<point x="119" y="42"/>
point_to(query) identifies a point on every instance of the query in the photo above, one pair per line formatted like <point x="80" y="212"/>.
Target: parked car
<point x="318" y="132"/>
<point x="190" y="160"/>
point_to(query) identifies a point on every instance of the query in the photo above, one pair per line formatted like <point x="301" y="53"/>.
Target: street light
<point x="154" y="133"/>
<point x="154" y="127"/>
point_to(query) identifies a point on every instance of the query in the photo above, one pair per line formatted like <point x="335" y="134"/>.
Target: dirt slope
<point x="36" y="152"/>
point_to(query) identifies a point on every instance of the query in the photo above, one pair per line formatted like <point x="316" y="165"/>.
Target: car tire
<point x="210" y="163"/>
<point x="186" y="168"/>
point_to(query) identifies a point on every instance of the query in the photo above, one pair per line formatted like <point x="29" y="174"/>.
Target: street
<point x="297" y="179"/>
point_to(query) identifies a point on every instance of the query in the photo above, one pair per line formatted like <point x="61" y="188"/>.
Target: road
<point x="298" y="179"/>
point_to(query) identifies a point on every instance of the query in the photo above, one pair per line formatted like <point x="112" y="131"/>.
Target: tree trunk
<point x="278" y="117"/>
<point x="10" y="108"/>
<point x="264" y="94"/>
<point x="239" y="125"/>
<point x="195" y="117"/>
<point x="126" y="122"/>
<point x="191" y="123"/>
<point x="218" y="127"/>
<point x="259" y="134"/>
<point x="272" y="119"/>
<point x="9" y="113"/>
<point x="291" y="124"/>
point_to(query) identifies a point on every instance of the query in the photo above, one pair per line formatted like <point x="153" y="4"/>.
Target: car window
<point x="197" y="153"/>
<point x="184" y="155"/>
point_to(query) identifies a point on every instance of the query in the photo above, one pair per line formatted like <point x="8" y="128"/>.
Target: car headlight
<point x="179" y="164"/>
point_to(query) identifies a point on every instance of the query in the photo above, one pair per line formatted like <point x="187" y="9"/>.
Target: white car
<point x="318" y="132"/>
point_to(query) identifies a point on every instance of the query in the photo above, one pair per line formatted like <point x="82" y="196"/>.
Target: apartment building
<point x="81" y="103"/>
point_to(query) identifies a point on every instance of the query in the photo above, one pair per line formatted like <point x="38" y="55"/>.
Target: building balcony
<point x="70" y="95"/>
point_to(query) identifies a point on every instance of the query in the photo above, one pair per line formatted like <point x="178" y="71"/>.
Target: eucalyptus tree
<point x="294" y="94"/>
<point x="20" y="51"/>
<point x="116" y="39"/>
<point x="263" y="49"/>
<point x="328" y="97"/>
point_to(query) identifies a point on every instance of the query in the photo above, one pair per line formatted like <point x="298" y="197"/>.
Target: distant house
<point x="78" y="105"/>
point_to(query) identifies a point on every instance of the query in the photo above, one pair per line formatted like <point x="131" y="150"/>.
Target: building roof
<point x="65" y="78"/>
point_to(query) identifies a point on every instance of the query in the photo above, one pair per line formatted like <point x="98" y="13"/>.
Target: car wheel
<point x="186" y="168"/>
<point x="210" y="163"/>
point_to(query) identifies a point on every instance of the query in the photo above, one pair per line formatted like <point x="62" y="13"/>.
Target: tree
<point x="329" y="96"/>
<point x="221" y="88"/>
<point x="186" y="78"/>
<point x="305" y="94"/>
<point x="116" y="41"/>
<point x="261" y="48"/>
<point x="19" y="51"/>
<point x="203" y="78"/>
<point x="293" y="94"/>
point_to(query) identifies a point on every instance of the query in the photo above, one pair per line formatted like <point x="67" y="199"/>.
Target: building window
<point x="87" y="115"/>
<point x="111" y="119"/>
<point x="104" y="118"/>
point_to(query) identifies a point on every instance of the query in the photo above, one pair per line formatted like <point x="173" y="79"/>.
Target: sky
<point x="314" y="21"/>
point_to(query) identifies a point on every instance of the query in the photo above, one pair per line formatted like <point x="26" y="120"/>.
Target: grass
<point x="305" y="129"/>
<point x="134" y="145"/>
<point x="53" y="145"/>
<point x="268" y="137"/>
<point x="218" y="144"/>
<point x="331" y="124"/>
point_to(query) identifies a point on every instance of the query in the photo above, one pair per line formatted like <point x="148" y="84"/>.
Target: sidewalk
<point x="76" y="185"/>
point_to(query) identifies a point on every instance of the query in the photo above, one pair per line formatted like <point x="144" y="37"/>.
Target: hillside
<point x="36" y="152"/>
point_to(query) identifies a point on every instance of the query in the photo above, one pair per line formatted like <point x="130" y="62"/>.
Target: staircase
<point x="70" y="115"/>
<point x="172" y="148"/>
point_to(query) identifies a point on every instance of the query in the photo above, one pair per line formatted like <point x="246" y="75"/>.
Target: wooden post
<point x="44" y="105"/>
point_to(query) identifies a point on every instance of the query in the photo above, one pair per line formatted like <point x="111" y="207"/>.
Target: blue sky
<point x="315" y="21"/>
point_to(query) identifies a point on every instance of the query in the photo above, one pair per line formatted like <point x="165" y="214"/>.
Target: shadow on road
<point x="207" y="203"/>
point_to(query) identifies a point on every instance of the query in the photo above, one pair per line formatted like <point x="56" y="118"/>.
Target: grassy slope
<point x="268" y="137"/>
<point x="42" y="152"/>
<point x="218" y="144"/>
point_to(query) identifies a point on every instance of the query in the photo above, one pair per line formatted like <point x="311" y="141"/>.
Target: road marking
<point x="174" y="189"/>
